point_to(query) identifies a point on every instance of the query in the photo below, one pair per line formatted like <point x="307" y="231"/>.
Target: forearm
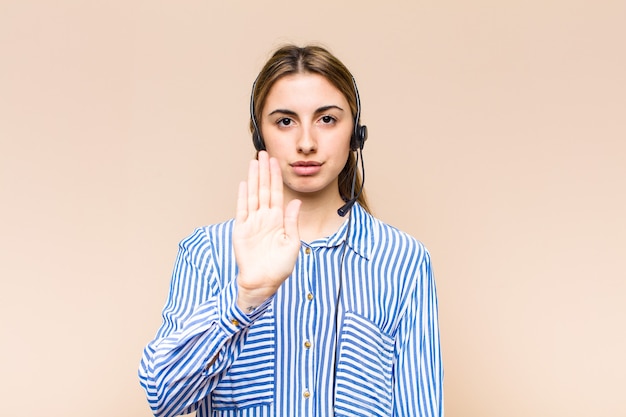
<point x="182" y="368"/>
<point x="173" y="372"/>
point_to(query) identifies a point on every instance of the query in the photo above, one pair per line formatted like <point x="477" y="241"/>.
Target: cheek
<point x="341" y="140"/>
<point x="276" y="148"/>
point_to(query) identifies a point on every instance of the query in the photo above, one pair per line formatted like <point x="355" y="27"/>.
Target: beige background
<point x="497" y="137"/>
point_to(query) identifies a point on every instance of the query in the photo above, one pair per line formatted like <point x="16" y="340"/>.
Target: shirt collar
<point x="361" y="235"/>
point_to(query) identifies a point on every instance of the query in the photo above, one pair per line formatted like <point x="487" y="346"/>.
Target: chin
<point x="312" y="190"/>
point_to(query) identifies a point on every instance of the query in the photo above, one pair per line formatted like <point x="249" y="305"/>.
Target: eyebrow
<point x="293" y="113"/>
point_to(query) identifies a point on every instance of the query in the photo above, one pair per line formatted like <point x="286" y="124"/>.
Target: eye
<point x="328" y="119"/>
<point x="285" y="121"/>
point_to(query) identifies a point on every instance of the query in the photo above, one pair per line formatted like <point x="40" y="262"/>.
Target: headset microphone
<point x="343" y="210"/>
<point x="357" y="141"/>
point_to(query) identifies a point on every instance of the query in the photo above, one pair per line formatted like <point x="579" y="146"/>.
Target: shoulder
<point x="386" y="237"/>
<point x="401" y="262"/>
<point x="205" y="239"/>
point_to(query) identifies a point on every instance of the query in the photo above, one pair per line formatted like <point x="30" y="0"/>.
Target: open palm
<point x="265" y="235"/>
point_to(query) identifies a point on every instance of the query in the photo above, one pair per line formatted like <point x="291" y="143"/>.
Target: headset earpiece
<point x="358" y="138"/>
<point x="257" y="140"/>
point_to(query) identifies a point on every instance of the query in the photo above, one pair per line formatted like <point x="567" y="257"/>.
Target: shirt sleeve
<point x="418" y="387"/>
<point x="202" y="334"/>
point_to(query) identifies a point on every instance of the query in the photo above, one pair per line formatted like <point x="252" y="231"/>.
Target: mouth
<point x="306" y="168"/>
<point x="306" y="164"/>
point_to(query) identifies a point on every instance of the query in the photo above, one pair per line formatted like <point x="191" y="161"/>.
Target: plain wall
<point x="497" y="137"/>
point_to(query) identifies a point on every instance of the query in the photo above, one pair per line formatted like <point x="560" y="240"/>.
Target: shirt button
<point x="306" y="394"/>
<point x="235" y="322"/>
<point x="307" y="344"/>
<point x="307" y="251"/>
<point x="309" y="296"/>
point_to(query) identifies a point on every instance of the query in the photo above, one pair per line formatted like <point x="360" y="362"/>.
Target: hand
<point x="265" y="235"/>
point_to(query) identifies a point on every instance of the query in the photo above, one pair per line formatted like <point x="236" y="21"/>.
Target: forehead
<point x="304" y="91"/>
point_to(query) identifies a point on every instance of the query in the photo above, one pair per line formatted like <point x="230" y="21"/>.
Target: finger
<point x="292" y="212"/>
<point x="242" y="203"/>
<point x="276" y="184"/>
<point x="264" y="180"/>
<point x="253" y="186"/>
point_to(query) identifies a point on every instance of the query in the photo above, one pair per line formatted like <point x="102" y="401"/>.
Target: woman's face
<point x="306" y="124"/>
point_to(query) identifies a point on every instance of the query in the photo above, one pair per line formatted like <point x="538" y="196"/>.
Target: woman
<point x="294" y="308"/>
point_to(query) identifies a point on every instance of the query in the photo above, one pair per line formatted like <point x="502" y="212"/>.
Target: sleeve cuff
<point x="231" y="318"/>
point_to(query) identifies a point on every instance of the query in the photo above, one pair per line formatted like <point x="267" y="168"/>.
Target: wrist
<point x="248" y="301"/>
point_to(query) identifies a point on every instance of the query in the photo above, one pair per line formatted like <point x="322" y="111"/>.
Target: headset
<point x="357" y="141"/>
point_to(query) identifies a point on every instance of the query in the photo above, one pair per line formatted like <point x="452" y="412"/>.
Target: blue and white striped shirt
<point x="281" y="359"/>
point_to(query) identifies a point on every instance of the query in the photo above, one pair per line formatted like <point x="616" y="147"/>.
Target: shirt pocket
<point x="249" y="382"/>
<point x="364" y="369"/>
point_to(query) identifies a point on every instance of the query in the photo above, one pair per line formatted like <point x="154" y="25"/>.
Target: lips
<point x="306" y="168"/>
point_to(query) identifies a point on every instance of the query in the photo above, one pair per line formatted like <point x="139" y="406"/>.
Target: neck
<point x="319" y="218"/>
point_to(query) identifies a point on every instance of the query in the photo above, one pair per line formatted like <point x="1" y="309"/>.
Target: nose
<point x="306" y="141"/>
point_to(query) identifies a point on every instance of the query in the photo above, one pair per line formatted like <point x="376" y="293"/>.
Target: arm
<point x="197" y="341"/>
<point x="204" y="327"/>
<point x="418" y="388"/>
